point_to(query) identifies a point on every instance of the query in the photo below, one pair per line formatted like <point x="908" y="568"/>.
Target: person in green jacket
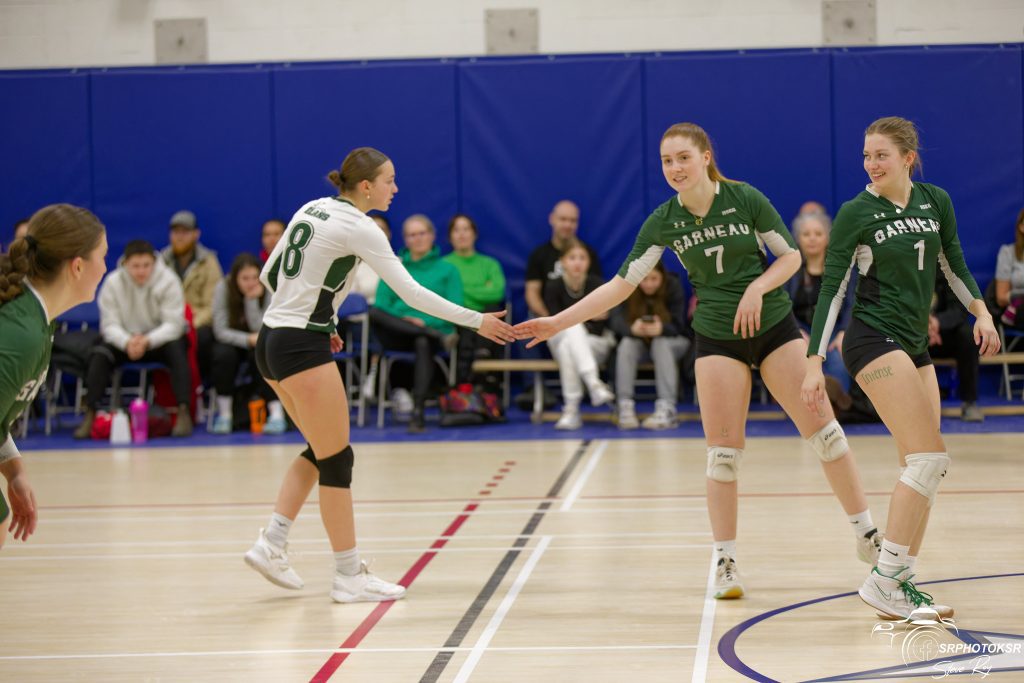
<point x="483" y="285"/>
<point x="55" y="266"/>
<point x="399" y="327"/>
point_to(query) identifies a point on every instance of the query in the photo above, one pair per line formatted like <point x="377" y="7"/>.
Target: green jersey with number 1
<point x="895" y="250"/>
<point x="722" y="252"/>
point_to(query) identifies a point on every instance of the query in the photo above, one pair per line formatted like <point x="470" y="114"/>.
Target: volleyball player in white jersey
<point x="310" y="272"/>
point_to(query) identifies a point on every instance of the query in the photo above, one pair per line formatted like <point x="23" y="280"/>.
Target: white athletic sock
<point x="862" y="523"/>
<point x="224" y="406"/>
<point x="276" y="410"/>
<point x="277" y="530"/>
<point x="347" y="562"/>
<point x="726" y="548"/>
<point x="892" y="558"/>
<point x="911" y="561"/>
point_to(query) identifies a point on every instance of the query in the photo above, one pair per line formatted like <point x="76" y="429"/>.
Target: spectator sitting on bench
<point x="483" y="286"/>
<point x="399" y="327"/>
<point x="1009" y="280"/>
<point x="271" y="233"/>
<point x="142" y="319"/>
<point x="652" y="325"/>
<point x="581" y="348"/>
<point x="238" y="304"/>
<point x="951" y="335"/>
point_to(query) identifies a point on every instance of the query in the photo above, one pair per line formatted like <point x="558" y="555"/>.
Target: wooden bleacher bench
<point x="541" y="365"/>
<point x="535" y="365"/>
<point x="1014" y="358"/>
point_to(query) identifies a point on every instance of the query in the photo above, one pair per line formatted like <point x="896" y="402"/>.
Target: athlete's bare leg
<point x="906" y="401"/>
<point x="320" y="405"/>
<point x="723" y="389"/>
<point x="783" y="372"/>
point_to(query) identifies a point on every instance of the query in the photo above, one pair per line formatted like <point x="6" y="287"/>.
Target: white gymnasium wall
<point x="69" y="33"/>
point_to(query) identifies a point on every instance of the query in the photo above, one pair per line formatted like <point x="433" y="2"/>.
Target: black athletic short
<point x="863" y="344"/>
<point x="285" y="351"/>
<point x="754" y="350"/>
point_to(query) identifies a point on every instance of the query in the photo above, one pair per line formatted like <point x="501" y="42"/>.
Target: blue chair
<point x="354" y="311"/>
<point x="81" y="318"/>
<point x="142" y="389"/>
<point x="1010" y="339"/>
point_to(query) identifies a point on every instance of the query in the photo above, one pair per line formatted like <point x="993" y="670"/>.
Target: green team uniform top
<point x="26" y="336"/>
<point x="722" y="252"/>
<point x="895" y="251"/>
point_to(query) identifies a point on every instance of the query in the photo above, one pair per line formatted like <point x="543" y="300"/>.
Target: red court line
<point x="336" y="660"/>
<point x="361" y="631"/>
<point x="784" y="494"/>
<point x="413" y="501"/>
<point x="270" y="503"/>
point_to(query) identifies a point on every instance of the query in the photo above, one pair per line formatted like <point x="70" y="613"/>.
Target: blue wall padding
<point x="45" y="150"/>
<point x="408" y="111"/>
<point x="165" y="140"/>
<point x="534" y="133"/>
<point x="504" y="139"/>
<point x="768" y="116"/>
<point x="967" y="105"/>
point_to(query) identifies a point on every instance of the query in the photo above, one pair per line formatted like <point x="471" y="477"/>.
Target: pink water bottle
<point x="139" y="411"/>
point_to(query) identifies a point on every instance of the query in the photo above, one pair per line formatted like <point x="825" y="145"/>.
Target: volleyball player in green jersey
<point x="57" y="265"/>
<point x="719" y="230"/>
<point x="895" y="232"/>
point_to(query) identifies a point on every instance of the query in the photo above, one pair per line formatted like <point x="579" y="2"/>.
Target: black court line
<point x="441" y="659"/>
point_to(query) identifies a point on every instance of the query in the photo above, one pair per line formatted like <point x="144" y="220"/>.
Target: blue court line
<point x="727" y="644"/>
<point x="518" y="427"/>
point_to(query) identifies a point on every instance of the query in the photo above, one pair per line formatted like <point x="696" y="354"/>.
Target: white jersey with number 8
<point x="312" y="268"/>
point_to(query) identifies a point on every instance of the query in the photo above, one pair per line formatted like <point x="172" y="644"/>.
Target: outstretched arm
<point x="605" y="297"/>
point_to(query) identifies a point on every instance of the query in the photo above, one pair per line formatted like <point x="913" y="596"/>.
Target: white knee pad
<point x="830" y="442"/>
<point x="724" y="463"/>
<point x="924" y="473"/>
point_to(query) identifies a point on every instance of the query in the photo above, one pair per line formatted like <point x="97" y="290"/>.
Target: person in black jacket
<point x="580" y="348"/>
<point x="652" y="324"/>
<point x="950" y="335"/>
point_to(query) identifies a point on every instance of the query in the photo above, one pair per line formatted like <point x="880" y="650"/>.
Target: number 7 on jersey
<point x="717" y="251"/>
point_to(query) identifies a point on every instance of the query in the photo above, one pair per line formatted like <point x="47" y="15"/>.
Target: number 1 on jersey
<point x="919" y="245"/>
<point x="717" y="251"/>
<point x="298" y="238"/>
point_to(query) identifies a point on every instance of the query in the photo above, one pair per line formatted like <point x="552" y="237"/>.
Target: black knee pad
<point x="336" y="470"/>
<point x="308" y="455"/>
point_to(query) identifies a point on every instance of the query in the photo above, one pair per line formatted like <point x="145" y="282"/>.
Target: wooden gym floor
<point x="530" y="560"/>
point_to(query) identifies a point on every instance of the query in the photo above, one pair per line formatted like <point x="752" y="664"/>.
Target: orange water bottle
<point x="257" y="415"/>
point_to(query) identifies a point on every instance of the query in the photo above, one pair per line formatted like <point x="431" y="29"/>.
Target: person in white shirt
<point x="142" y="319"/>
<point x="310" y="272"/>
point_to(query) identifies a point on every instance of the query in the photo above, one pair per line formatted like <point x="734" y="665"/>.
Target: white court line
<point x="173" y="517"/>
<point x="707" y="623"/>
<point x="341" y="650"/>
<point x="577" y="488"/>
<point x="292" y="542"/>
<point x="506" y="604"/>
<point x="369" y="551"/>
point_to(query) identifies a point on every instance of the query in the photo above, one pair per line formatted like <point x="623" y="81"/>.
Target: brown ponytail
<point x="903" y="134"/>
<point x="56" y="234"/>
<point x="362" y="163"/>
